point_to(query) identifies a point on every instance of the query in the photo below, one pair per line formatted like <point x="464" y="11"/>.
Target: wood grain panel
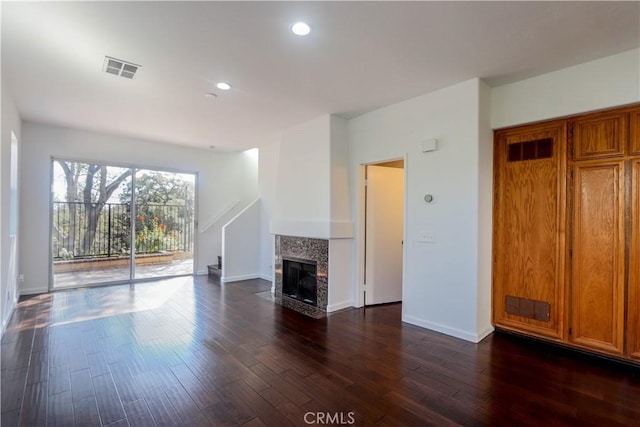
<point x="529" y="213"/>
<point x="599" y="135"/>
<point x="633" y="327"/>
<point x="634" y="129"/>
<point x="597" y="286"/>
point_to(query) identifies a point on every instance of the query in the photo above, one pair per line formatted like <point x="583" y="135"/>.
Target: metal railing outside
<point x="82" y="230"/>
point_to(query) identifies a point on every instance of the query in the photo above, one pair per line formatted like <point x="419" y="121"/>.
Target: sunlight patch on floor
<point x="113" y="300"/>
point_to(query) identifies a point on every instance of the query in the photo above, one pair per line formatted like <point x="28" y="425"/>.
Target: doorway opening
<point x="382" y="243"/>
<point x="112" y="224"/>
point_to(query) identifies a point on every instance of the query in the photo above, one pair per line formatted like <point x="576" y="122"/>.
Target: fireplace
<point x="299" y="280"/>
<point x="301" y="272"/>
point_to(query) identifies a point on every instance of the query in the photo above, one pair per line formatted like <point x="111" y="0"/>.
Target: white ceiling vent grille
<point x="119" y="67"/>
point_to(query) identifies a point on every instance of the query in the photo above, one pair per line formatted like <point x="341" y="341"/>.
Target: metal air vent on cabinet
<point x="530" y="150"/>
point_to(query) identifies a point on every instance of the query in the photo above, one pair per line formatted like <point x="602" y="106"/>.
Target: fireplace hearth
<point x="299" y="280"/>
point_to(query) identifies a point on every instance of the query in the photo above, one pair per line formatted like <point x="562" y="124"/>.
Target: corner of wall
<point x="485" y="210"/>
<point x="10" y="134"/>
<point x="471" y="336"/>
<point x="267" y="184"/>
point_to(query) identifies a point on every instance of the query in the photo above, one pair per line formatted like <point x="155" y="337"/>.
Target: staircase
<point x="215" y="270"/>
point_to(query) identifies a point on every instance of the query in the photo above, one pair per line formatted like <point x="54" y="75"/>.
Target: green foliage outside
<point x="88" y="221"/>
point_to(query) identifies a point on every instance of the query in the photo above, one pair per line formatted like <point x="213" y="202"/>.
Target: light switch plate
<point x="429" y="145"/>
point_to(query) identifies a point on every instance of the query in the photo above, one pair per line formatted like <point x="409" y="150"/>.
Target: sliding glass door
<point x="164" y="203"/>
<point x="112" y="224"/>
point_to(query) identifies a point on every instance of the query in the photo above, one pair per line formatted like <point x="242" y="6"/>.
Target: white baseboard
<point x="454" y="332"/>
<point x="33" y="291"/>
<point x="267" y="277"/>
<point x="202" y="272"/>
<point x="485" y="333"/>
<point x="228" y="279"/>
<point x="7" y="319"/>
<point x="339" y="306"/>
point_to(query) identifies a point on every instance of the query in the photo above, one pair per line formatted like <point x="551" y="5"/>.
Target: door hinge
<point x="366" y="182"/>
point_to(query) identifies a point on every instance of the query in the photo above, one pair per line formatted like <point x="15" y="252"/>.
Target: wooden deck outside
<point x="109" y="272"/>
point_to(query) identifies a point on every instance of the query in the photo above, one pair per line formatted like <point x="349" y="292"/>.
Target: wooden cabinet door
<point x="633" y="327"/>
<point x="599" y="135"/>
<point x="634" y="128"/>
<point x="529" y="217"/>
<point x="598" y="256"/>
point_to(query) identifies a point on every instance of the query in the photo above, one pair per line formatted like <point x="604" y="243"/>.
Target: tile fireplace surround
<point x="303" y="248"/>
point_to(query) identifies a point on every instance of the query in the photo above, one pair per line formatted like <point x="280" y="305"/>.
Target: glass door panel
<point x="90" y="224"/>
<point x="164" y="223"/>
<point x="103" y="217"/>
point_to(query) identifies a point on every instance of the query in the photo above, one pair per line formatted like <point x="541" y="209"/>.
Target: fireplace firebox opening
<point x="299" y="280"/>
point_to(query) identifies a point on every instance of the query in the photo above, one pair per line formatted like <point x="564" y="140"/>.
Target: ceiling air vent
<point x="120" y="67"/>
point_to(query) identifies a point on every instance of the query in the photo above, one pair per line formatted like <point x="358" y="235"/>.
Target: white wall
<point x="340" y="273"/>
<point x="339" y="171"/>
<point x="240" y="247"/>
<point x="485" y="207"/>
<point x="222" y="178"/>
<point x="594" y="85"/>
<point x="312" y="178"/>
<point x="341" y="224"/>
<point x="440" y="282"/>
<point x="267" y="190"/>
<point x="303" y="182"/>
<point x="8" y="285"/>
<point x="304" y="186"/>
<point x="448" y="284"/>
<point x="445" y="288"/>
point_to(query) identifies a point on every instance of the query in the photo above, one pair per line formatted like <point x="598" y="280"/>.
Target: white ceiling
<point x="360" y="56"/>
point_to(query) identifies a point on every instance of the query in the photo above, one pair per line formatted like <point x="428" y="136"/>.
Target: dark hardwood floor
<point x="191" y="352"/>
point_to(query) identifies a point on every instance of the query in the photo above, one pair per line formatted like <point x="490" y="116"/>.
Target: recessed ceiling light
<point x="223" y="86"/>
<point x="300" y="28"/>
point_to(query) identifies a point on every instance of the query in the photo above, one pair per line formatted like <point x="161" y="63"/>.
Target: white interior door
<point x="384" y="225"/>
